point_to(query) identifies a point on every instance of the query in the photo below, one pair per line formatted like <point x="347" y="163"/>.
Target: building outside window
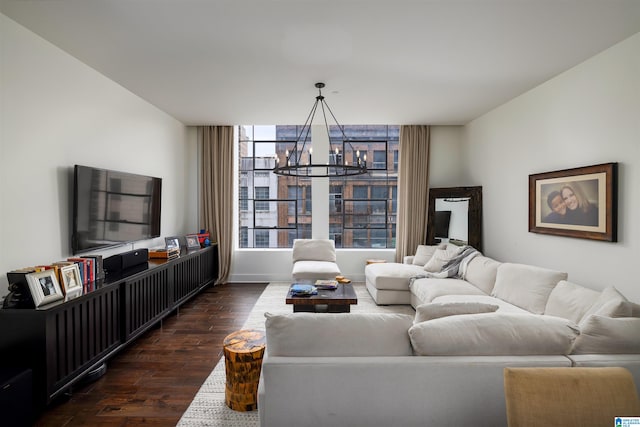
<point x="244" y="198"/>
<point x="262" y="193"/>
<point x="275" y="210"/>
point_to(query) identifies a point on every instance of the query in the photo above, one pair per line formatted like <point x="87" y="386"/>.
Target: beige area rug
<point x="208" y="407"/>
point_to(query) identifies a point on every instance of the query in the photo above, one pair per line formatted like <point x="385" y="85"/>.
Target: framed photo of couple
<point x="579" y="202"/>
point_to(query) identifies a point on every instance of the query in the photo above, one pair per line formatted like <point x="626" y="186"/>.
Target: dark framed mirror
<point x="455" y="215"/>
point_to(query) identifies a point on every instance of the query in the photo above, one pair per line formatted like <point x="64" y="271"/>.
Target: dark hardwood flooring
<point x="153" y="381"/>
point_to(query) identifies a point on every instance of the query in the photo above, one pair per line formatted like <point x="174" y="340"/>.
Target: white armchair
<point x="314" y="259"/>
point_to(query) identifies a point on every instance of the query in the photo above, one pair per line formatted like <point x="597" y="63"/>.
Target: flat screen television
<point x="112" y="208"/>
<point x="442" y="223"/>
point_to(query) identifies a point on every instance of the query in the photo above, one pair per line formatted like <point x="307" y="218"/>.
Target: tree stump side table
<point x="243" y="351"/>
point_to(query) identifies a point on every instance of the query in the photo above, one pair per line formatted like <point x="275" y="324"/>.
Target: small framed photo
<point x="192" y="241"/>
<point x="71" y="281"/>
<point x="44" y="287"/>
<point x="579" y="202"/>
<point x="172" y="242"/>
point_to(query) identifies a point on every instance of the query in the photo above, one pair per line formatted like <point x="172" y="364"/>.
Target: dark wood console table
<point x="62" y="342"/>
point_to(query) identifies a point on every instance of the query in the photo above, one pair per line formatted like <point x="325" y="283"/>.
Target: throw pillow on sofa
<point x="610" y="303"/>
<point x="570" y="301"/>
<point x="441" y="257"/>
<point x="493" y="334"/>
<point x="338" y="334"/>
<point x="608" y="335"/>
<point x="424" y="253"/>
<point x="526" y="286"/>
<point x="434" y="310"/>
<point x="481" y="272"/>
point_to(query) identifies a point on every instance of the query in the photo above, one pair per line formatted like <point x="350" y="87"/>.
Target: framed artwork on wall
<point x="579" y="202"/>
<point x="44" y="287"/>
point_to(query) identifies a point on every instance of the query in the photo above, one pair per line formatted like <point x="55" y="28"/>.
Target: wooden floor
<point x="153" y="381"/>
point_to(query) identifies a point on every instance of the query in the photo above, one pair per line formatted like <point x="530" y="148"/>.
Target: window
<point x="262" y="238"/>
<point x="262" y="193"/>
<point x="244" y="237"/>
<point x="335" y="199"/>
<point x="368" y="215"/>
<point x="360" y="192"/>
<point x="244" y="197"/>
<point x="274" y="210"/>
<point x="379" y="159"/>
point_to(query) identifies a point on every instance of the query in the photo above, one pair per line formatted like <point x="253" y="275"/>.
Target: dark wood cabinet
<point x="62" y="342"/>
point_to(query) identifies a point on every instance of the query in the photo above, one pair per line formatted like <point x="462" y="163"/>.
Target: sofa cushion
<point x="570" y="301"/>
<point x="424" y="254"/>
<point x="427" y="289"/>
<point x="608" y="335"/>
<point x="503" y="306"/>
<point x="493" y="334"/>
<point x="312" y="270"/>
<point x="526" y="286"/>
<point x="481" y="272"/>
<point x="432" y="310"/>
<point x="610" y="303"/>
<point x="391" y="275"/>
<point x="441" y="256"/>
<point x="338" y="334"/>
<point x="314" y="250"/>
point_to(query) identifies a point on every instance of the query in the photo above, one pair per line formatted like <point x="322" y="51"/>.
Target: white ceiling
<point x="384" y="62"/>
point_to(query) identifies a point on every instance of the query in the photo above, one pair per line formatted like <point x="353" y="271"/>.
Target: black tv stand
<point x="64" y="343"/>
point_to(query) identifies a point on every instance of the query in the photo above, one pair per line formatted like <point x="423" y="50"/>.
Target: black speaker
<point x="112" y="264"/>
<point x="125" y="260"/>
<point x="133" y="258"/>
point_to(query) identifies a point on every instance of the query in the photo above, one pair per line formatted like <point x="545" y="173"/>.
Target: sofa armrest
<point x="630" y="362"/>
<point x="408" y="259"/>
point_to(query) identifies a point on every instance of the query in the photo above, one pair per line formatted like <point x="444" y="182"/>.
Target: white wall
<point x="585" y="116"/>
<point x="56" y="112"/>
<point x="264" y="265"/>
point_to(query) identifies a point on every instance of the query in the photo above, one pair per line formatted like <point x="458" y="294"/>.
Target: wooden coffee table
<point x="338" y="300"/>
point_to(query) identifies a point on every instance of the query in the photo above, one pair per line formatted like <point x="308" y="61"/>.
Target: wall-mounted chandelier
<point x="298" y="162"/>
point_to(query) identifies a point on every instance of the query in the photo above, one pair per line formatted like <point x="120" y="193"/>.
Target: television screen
<point x="111" y="208"/>
<point x="442" y="223"/>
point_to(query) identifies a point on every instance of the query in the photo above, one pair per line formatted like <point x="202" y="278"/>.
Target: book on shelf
<point x="97" y="266"/>
<point x="326" y="284"/>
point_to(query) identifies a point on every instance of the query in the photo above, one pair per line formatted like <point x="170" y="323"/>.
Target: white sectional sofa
<point x="443" y="366"/>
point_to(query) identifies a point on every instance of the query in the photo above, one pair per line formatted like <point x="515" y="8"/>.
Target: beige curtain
<point x="216" y="184"/>
<point x="413" y="189"/>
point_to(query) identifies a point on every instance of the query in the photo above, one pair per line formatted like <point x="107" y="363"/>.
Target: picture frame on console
<point x="44" y="287"/>
<point x="578" y="202"/>
<point x="192" y="241"/>
<point x="172" y="242"/>
<point x="71" y="281"/>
